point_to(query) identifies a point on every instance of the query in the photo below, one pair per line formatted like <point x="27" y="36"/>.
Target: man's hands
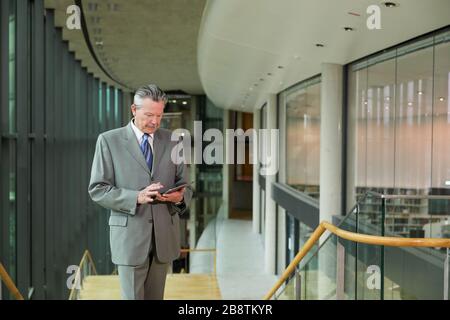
<point x="151" y="193"/>
<point x="174" y="197"/>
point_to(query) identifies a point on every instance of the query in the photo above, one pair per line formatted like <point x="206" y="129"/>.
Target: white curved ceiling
<point x="139" y="41"/>
<point x="247" y="49"/>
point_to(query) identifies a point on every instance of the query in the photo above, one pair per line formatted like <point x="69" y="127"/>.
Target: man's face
<point x="148" y="117"/>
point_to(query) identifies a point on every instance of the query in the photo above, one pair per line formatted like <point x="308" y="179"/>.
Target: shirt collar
<point x="138" y="132"/>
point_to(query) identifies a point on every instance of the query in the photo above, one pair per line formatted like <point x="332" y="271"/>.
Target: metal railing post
<point x="446" y="276"/>
<point x="298" y="286"/>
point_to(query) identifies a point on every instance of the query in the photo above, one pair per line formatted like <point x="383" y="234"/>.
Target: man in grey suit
<point x="131" y="165"/>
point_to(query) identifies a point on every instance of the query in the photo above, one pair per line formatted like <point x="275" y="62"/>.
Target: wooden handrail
<point x="86" y="256"/>
<point x="356" y="237"/>
<point x="9" y="283"/>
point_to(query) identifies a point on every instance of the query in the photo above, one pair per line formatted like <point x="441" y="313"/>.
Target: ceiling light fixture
<point x="389" y="4"/>
<point x="348" y="29"/>
<point x="441" y="99"/>
<point x="420" y="93"/>
<point x="319" y="45"/>
<point x="184" y="102"/>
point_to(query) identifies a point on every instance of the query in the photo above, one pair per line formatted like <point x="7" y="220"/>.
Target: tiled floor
<point x="240" y="262"/>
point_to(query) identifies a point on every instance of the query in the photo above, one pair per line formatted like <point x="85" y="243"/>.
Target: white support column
<point x="256" y="188"/>
<point x="193" y="210"/>
<point x="330" y="157"/>
<point x="270" y="222"/>
<point x="226" y="166"/>
<point x="282" y="243"/>
<point x="331" y="141"/>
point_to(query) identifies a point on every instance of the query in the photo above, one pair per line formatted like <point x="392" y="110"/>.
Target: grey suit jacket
<point x="119" y="172"/>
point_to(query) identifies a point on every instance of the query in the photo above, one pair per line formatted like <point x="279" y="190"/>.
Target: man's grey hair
<point x="151" y="91"/>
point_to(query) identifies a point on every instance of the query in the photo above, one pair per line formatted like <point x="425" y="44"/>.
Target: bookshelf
<point x="406" y="217"/>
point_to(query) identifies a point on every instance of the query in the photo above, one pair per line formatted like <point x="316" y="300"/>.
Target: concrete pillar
<point x="256" y="188"/>
<point x="226" y="166"/>
<point x="330" y="159"/>
<point x="270" y="221"/>
<point x="192" y="209"/>
<point x="331" y="140"/>
<point x="282" y="244"/>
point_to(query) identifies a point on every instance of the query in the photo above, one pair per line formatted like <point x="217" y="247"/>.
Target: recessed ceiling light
<point x="174" y="101"/>
<point x="389" y="4"/>
<point x="447" y="183"/>
<point x="420" y="93"/>
<point x="348" y="29"/>
<point x="388" y="98"/>
<point x="184" y="102"/>
<point x="319" y="45"/>
<point x="409" y="103"/>
<point x="441" y="99"/>
<point x="365" y="102"/>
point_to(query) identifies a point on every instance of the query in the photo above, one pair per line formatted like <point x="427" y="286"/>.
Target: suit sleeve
<point x="102" y="189"/>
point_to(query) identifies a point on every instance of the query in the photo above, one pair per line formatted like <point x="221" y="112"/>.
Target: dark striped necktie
<point x="147" y="150"/>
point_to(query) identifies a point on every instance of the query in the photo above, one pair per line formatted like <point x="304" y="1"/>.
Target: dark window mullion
<point x="37" y="165"/>
<point x="23" y="115"/>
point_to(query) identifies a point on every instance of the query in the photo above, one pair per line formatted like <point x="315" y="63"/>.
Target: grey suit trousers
<point x="135" y="280"/>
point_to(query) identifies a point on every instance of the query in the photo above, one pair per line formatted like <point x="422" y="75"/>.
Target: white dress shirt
<point x="139" y="134"/>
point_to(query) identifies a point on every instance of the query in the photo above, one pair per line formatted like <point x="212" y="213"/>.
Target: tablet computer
<point x="173" y="189"/>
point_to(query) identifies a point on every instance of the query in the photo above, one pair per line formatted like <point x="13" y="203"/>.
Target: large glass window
<point x="399" y="120"/>
<point x="440" y="156"/>
<point x="116" y="108"/>
<point x="12" y="143"/>
<point x="100" y="104"/>
<point x="302" y="110"/>
<point x="12" y="71"/>
<point x="108" y="107"/>
<point x="399" y="132"/>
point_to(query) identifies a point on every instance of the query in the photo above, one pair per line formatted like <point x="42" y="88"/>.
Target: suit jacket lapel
<point x="158" y="149"/>
<point x="132" y="146"/>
